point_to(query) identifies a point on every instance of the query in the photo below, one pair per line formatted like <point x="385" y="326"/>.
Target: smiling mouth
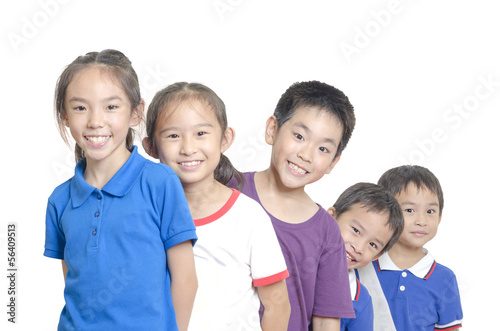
<point x="350" y="258"/>
<point x="97" y="139"/>
<point x="296" y="168"/>
<point x="189" y="163"/>
<point x="419" y="234"/>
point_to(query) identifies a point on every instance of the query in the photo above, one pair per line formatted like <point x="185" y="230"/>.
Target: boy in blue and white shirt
<point x="420" y="293"/>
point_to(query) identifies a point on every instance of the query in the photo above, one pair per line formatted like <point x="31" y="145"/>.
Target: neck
<point x="271" y="182"/>
<point x="98" y="173"/>
<point x="204" y="199"/>
<point x="405" y="257"/>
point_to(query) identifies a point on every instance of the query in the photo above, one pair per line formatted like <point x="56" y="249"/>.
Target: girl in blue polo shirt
<point x="121" y="225"/>
<point x="238" y="258"/>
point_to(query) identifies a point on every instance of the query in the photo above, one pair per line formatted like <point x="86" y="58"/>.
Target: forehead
<point x="412" y="193"/>
<point x="192" y="111"/>
<point x="94" y="78"/>
<point x="318" y="119"/>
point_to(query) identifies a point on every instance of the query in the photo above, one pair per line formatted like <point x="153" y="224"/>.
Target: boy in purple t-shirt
<point x="310" y="127"/>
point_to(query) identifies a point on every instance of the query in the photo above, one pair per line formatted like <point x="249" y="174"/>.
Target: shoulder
<point x="61" y="192"/>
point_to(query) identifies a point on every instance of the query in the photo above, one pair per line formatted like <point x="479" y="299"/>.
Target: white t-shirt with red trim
<point x="237" y="250"/>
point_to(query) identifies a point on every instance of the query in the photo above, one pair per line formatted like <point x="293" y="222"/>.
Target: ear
<point x="332" y="164"/>
<point x="271" y="130"/>
<point x="65" y="120"/>
<point x="147" y="144"/>
<point x="137" y="114"/>
<point x="331" y="211"/>
<point x="227" y="139"/>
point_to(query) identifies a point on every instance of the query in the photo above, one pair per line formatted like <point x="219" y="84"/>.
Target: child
<point x="310" y="127"/>
<point x="238" y="258"/>
<point x="121" y="225"/>
<point x="370" y="222"/>
<point x="421" y="294"/>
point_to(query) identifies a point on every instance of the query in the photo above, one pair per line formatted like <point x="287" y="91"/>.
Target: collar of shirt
<point x="422" y="269"/>
<point x="354" y="284"/>
<point x="117" y="186"/>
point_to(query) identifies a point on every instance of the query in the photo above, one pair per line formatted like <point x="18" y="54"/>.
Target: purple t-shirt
<point x="316" y="260"/>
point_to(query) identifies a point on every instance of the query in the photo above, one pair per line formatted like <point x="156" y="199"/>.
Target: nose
<point x="96" y="119"/>
<point x="188" y="146"/>
<point x="306" y="153"/>
<point x="420" y="219"/>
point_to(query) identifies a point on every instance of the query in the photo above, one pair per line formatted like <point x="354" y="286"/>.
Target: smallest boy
<point x="370" y="222"/>
<point x="421" y="294"/>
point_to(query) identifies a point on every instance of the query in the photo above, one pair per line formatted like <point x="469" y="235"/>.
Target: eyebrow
<point x="80" y="99"/>
<point x="308" y="131"/>
<point x="170" y="128"/>
<point x="409" y="203"/>
<point x="359" y="225"/>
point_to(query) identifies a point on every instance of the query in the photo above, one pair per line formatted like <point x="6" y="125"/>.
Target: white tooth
<point x="189" y="164"/>
<point x="297" y="169"/>
<point x="99" y="139"/>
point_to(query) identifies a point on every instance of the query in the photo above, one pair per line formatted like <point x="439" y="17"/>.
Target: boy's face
<point x="304" y="147"/>
<point x="421" y="214"/>
<point x="365" y="234"/>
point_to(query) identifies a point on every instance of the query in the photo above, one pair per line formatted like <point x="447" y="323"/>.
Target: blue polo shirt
<point x="114" y="242"/>
<point x="362" y="304"/>
<point x="424" y="297"/>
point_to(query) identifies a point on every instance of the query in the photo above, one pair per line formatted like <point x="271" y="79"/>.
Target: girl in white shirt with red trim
<point x="238" y="259"/>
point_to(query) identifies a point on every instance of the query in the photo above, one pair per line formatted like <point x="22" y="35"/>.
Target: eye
<point x="355" y="230"/>
<point x="111" y="107"/>
<point x="173" y="136"/>
<point x="201" y="133"/>
<point x="409" y="210"/>
<point x="324" y="149"/>
<point x="431" y="211"/>
<point x="298" y="136"/>
<point x="374" y="245"/>
<point x="79" y="108"/>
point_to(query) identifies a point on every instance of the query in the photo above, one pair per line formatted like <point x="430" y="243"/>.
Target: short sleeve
<point x="54" y="236"/>
<point x="332" y="296"/>
<point x="266" y="258"/>
<point x="450" y="307"/>
<point x="177" y="224"/>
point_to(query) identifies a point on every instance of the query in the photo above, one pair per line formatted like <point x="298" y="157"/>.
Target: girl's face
<point x="99" y="114"/>
<point x="190" y="140"/>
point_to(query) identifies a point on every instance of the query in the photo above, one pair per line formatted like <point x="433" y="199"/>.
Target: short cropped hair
<point x="375" y="199"/>
<point x="323" y="96"/>
<point x="396" y="180"/>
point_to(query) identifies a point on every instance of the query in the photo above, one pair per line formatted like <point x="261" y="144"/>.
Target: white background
<point x="417" y="73"/>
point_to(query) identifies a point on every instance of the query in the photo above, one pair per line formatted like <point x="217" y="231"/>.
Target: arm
<point x="184" y="283"/>
<point x="274" y="298"/>
<point x="321" y="323"/>
<point x="65" y="269"/>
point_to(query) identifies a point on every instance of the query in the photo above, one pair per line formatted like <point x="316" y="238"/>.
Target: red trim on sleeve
<point x="378" y="265"/>
<point x="450" y="328"/>
<point x="218" y="214"/>
<point x="270" y="279"/>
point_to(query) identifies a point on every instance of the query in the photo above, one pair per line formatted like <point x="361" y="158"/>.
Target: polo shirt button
<point x="99" y="197"/>
<point x="404" y="274"/>
<point x="94" y="232"/>
<point x="96" y="214"/>
<point x="402" y="288"/>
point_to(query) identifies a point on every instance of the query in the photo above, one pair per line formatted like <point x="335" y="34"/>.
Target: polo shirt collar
<point x="354" y="284"/>
<point x="422" y="269"/>
<point x="118" y="185"/>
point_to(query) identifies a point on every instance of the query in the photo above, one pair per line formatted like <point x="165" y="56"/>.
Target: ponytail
<point x="225" y="171"/>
